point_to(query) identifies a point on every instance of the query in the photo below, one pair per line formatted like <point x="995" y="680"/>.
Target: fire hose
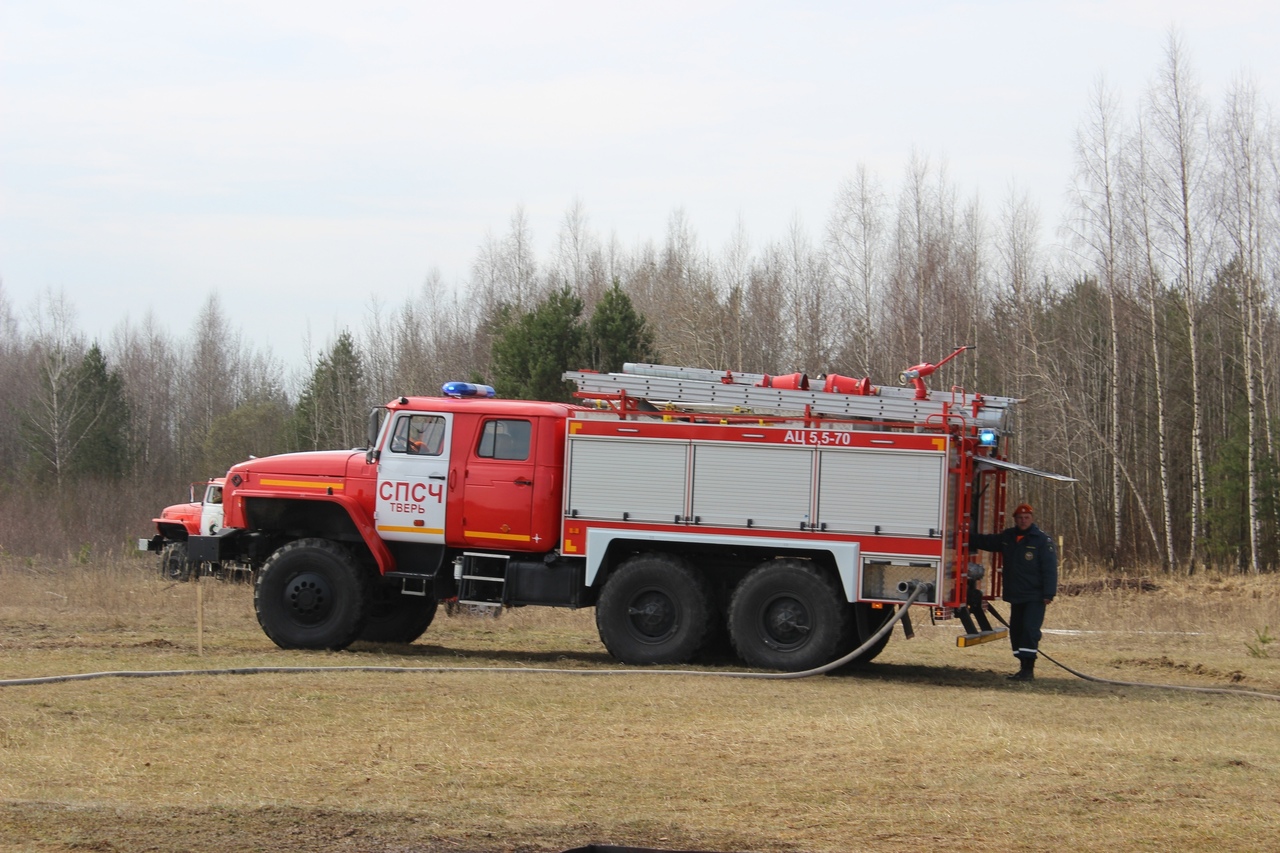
<point x="1184" y="687"/>
<point x="916" y="591"/>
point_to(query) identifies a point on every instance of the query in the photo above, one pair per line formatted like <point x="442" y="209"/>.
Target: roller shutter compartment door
<point x="645" y="480"/>
<point x="898" y="492"/>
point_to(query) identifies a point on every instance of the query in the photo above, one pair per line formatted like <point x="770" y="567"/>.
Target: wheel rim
<point x="785" y="622"/>
<point x="308" y="597"/>
<point x="652" y="615"/>
<point x="174" y="565"/>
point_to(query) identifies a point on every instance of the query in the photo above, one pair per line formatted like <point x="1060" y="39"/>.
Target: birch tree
<point x="1141" y="188"/>
<point x="1244" y="190"/>
<point x="1183" y="218"/>
<point x="1096" y="228"/>
<point x="855" y="247"/>
<point x="60" y="412"/>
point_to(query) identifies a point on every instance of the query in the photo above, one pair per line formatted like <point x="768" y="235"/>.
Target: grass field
<point x="928" y="748"/>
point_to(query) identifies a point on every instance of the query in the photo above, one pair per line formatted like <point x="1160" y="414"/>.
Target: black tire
<point x="788" y="615"/>
<point x="866" y="620"/>
<point x="395" y="617"/>
<point x="717" y="648"/>
<point x="310" y="594"/>
<point x="653" y="610"/>
<point x="174" y="564"/>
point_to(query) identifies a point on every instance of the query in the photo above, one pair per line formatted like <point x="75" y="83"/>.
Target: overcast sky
<point x="297" y="158"/>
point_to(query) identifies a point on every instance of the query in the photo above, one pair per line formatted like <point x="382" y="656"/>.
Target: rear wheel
<point x="653" y="610"/>
<point x="866" y="621"/>
<point x="395" y="617"/>
<point x="310" y="594"/>
<point x="174" y="564"/>
<point x="788" y="615"/>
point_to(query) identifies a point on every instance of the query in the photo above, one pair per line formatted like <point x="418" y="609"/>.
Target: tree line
<point x="1143" y="340"/>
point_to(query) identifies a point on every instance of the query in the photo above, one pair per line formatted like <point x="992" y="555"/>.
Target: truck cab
<point x="483" y="474"/>
<point x="200" y="514"/>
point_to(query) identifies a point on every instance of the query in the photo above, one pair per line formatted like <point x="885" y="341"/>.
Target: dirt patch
<point x="157" y="643"/>
<point x="58" y="827"/>
<point x="1167" y="664"/>
<point x="1114" y="584"/>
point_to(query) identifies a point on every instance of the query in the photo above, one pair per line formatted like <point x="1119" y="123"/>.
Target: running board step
<point x="966" y="640"/>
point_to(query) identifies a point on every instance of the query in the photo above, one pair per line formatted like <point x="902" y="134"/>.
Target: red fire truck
<point x="179" y="522"/>
<point x="683" y="504"/>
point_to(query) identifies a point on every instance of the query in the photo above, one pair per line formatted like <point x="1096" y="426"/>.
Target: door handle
<point x="524" y="482"/>
<point x="436" y="477"/>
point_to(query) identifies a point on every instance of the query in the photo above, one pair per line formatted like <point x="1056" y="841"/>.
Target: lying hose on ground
<point x="1226" y="690"/>
<point x="916" y="592"/>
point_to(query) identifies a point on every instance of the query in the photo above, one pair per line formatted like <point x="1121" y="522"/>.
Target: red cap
<point x="1024" y="508"/>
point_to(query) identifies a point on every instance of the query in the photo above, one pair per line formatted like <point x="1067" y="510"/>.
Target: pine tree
<point x="332" y="407"/>
<point x="617" y="333"/>
<point x="75" y="424"/>
<point x="100" y="425"/>
<point x="531" y="351"/>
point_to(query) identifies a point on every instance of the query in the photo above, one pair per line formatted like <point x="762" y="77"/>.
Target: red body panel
<point x="502" y="505"/>
<point x="575" y="536"/>
<point x="184" y="516"/>
<point x="315" y="475"/>
<point x="739" y="433"/>
<point x="511" y="505"/>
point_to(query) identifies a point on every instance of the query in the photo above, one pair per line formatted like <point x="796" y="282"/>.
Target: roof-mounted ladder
<point x="758" y="393"/>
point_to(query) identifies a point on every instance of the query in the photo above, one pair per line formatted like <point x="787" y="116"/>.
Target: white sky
<point x="299" y="157"/>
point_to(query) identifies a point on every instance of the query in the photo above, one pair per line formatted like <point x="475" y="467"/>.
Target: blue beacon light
<point x="467" y="389"/>
<point x="988" y="437"/>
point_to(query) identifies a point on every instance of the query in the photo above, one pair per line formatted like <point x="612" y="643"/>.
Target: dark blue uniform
<point x="1030" y="580"/>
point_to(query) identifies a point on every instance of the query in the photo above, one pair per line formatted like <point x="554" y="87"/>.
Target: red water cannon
<point x="790" y="382"/>
<point x="914" y="376"/>
<point x="837" y="384"/>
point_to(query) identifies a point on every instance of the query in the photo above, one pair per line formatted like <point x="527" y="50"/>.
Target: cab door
<point x="413" y="470"/>
<point x="499" y="486"/>
<point x="211" y="510"/>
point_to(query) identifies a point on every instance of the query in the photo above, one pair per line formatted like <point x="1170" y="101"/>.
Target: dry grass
<point x="930" y="747"/>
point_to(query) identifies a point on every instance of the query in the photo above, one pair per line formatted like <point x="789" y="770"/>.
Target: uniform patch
<point x="1030" y="555"/>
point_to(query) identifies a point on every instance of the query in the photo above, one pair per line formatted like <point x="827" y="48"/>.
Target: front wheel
<point x="653" y="610"/>
<point x="310" y="594"/>
<point x="395" y="617"/>
<point x="788" y="615"/>
<point x="174" y="564"/>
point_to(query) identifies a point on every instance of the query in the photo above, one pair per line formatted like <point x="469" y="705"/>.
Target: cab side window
<point x="418" y="435"/>
<point x="505" y="439"/>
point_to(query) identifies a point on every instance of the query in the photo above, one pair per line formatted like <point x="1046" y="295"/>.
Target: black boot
<point x="1027" y="672"/>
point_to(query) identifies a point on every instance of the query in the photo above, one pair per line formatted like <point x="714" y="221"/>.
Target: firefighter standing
<point x="1030" y="582"/>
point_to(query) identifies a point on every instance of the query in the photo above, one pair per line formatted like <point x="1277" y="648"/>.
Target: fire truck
<point x="177" y="523"/>
<point x="687" y="506"/>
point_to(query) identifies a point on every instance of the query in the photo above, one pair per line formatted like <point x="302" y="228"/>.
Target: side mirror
<point x="371" y="435"/>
